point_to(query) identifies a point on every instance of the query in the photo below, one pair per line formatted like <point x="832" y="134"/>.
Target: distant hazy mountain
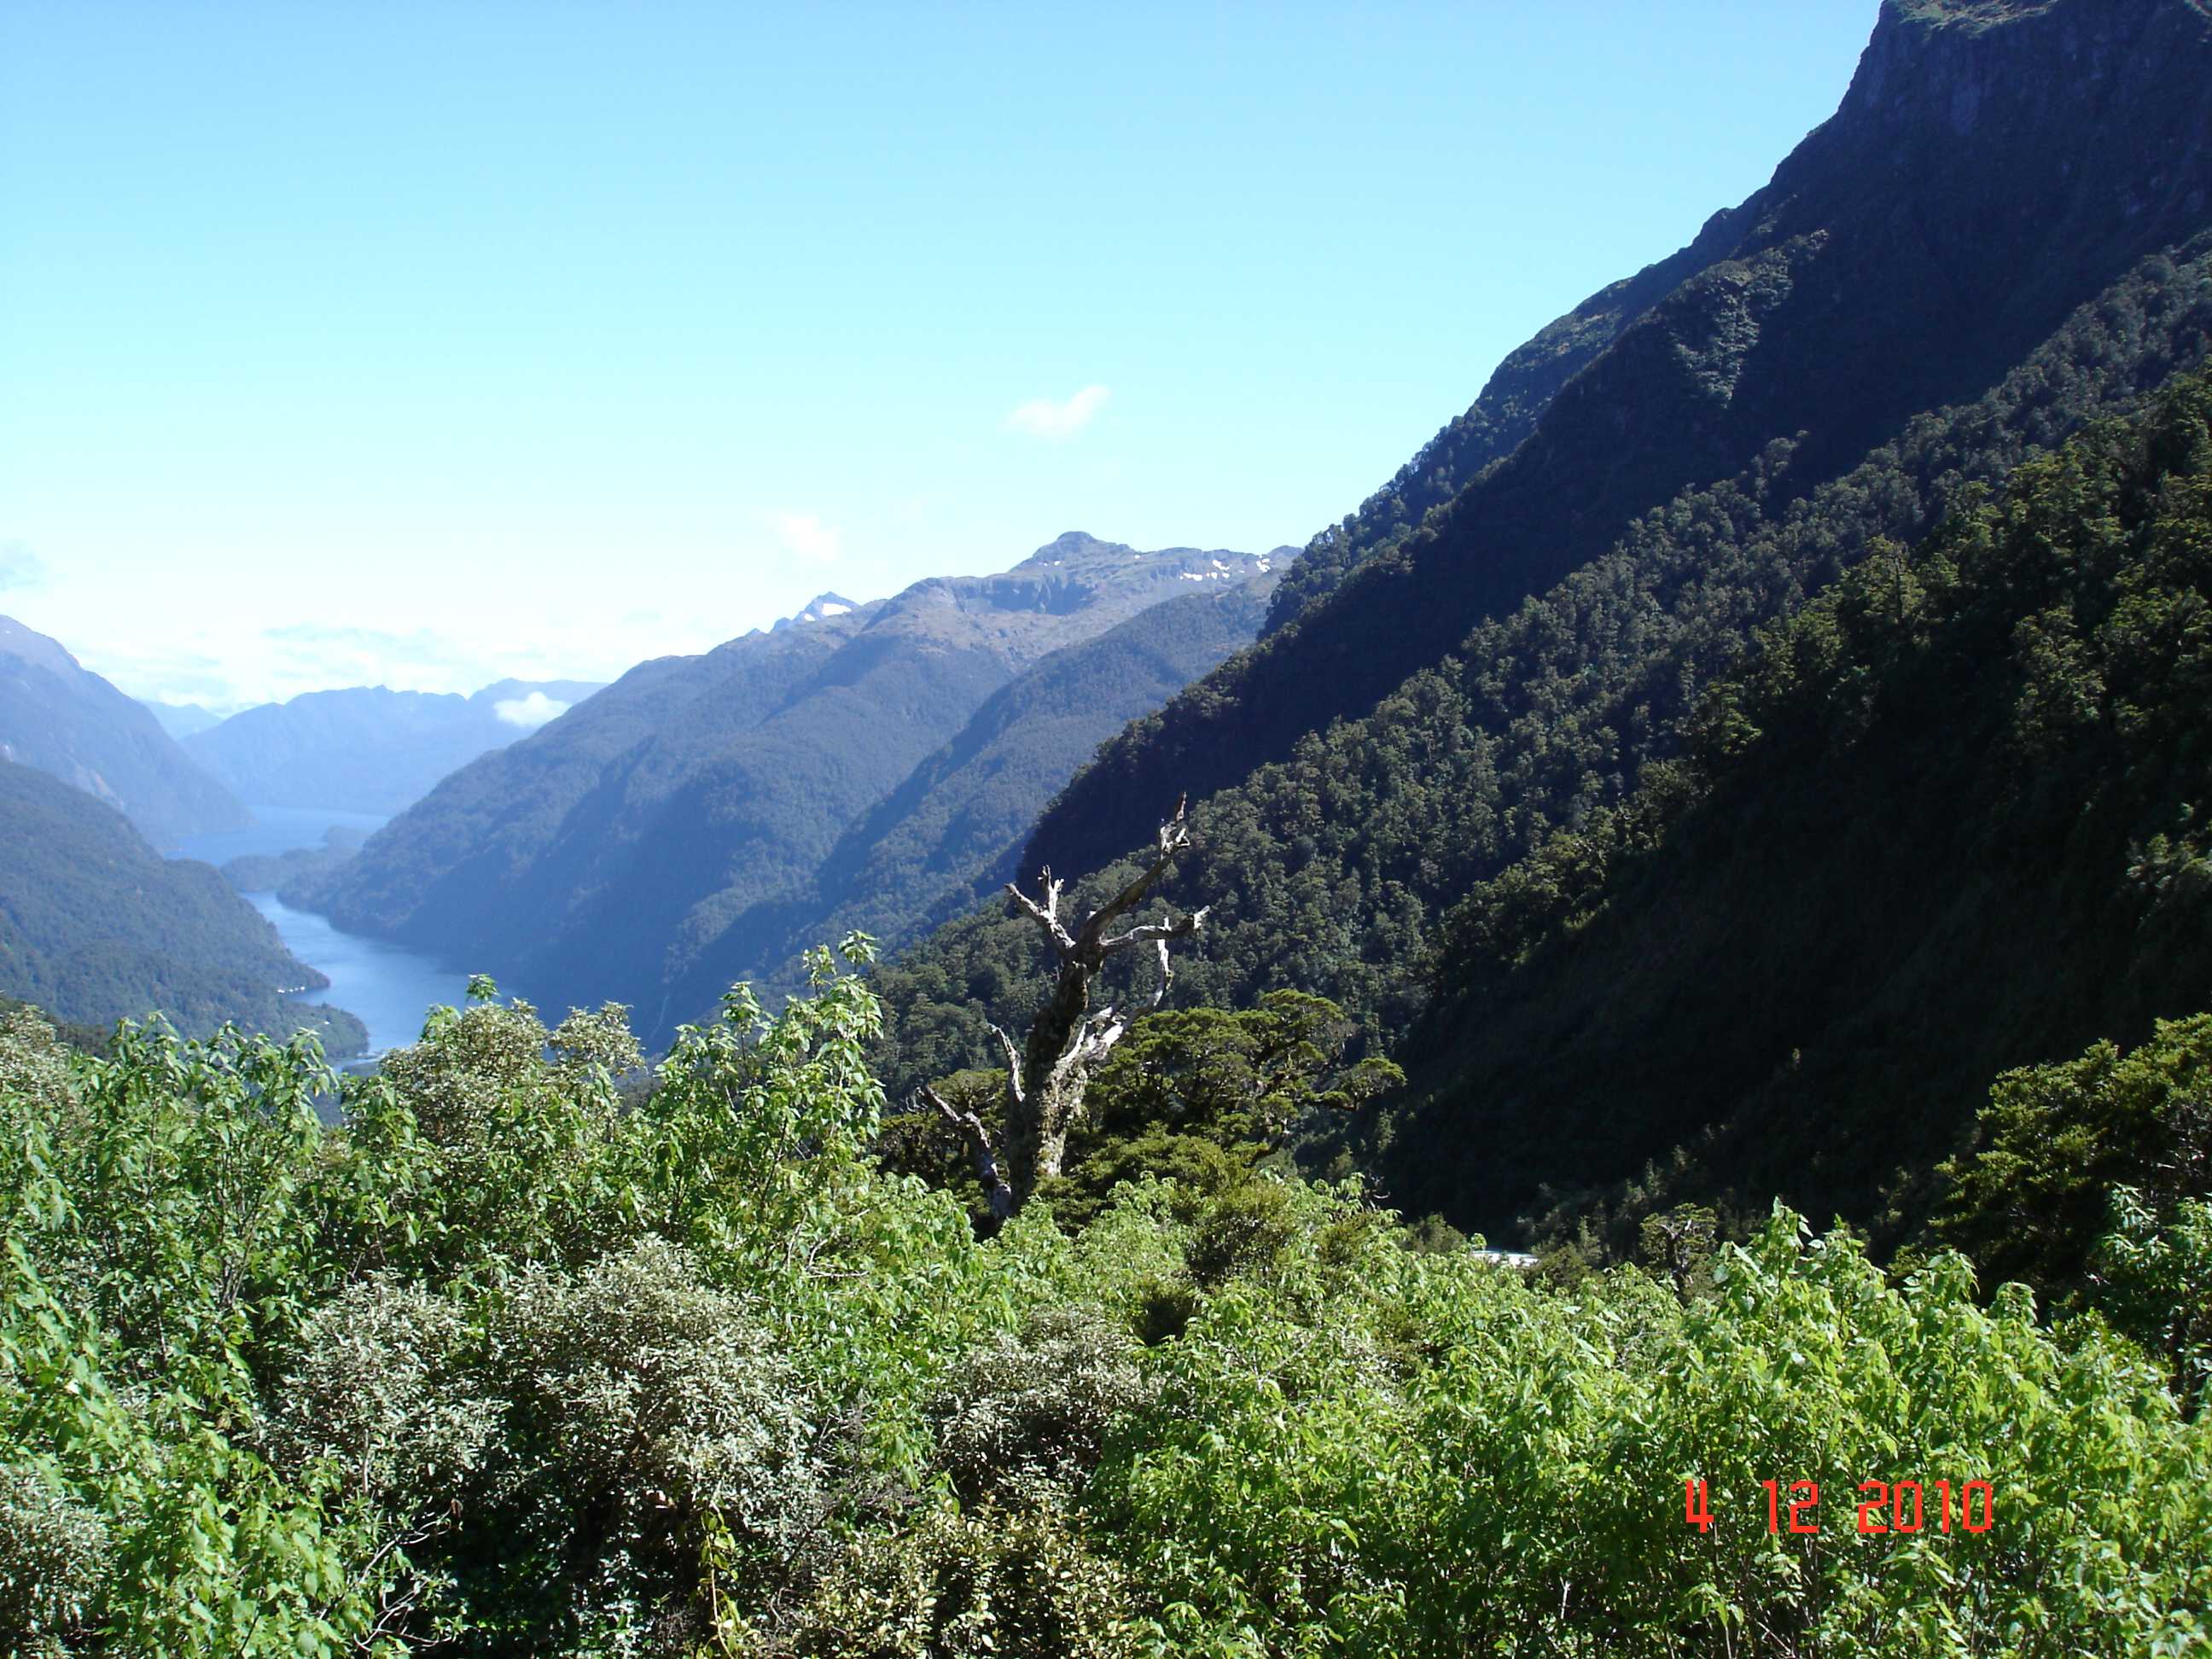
<point x="367" y="749"/>
<point x="677" y="831"/>
<point x="96" y="926"/>
<point x="60" y="718"/>
<point x="181" y="719"/>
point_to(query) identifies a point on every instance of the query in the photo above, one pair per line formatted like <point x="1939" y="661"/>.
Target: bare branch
<point x="1151" y="931"/>
<point x="1047" y="916"/>
<point x="971" y="1129"/>
<point x="1100" y="1032"/>
<point x="1175" y="837"/>
<point x="1013" y="1064"/>
<point x="1046" y="1079"/>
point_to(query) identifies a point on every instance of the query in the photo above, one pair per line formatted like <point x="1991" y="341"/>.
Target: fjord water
<point x="275" y="830"/>
<point x="389" y="988"/>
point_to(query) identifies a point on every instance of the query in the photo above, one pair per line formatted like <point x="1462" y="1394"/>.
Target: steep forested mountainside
<point x="612" y="854"/>
<point x="95" y="925"/>
<point x="368" y="749"/>
<point x="59" y="717"/>
<point x="1992" y="166"/>
<point x="1327" y="871"/>
<point x="1952" y="817"/>
<point x="1493" y="426"/>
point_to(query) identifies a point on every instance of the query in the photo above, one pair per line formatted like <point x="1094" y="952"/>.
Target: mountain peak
<point x="32" y="646"/>
<point x="820" y="607"/>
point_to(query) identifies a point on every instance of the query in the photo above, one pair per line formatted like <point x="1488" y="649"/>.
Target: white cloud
<point x="530" y="712"/>
<point x="1048" y="419"/>
<point x="20" y="567"/>
<point x="807" y="536"/>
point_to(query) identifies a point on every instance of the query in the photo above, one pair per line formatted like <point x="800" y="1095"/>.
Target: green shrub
<point x="53" y="1563"/>
<point x="986" y="1585"/>
<point x="646" y="1400"/>
<point x="1030" y="1412"/>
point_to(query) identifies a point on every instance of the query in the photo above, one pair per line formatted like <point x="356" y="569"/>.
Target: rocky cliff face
<point x="60" y="718"/>
<point x="1990" y="167"/>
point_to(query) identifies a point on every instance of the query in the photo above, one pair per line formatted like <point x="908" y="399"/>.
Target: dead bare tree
<point x="1047" y="1075"/>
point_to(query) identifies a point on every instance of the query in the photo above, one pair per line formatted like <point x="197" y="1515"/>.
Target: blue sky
<point x="430" y="344"/>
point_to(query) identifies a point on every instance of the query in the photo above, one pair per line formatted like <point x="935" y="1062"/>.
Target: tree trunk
<point x="1046" y="1078"/>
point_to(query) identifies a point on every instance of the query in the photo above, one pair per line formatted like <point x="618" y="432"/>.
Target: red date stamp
<point x="1884" y="1506"/>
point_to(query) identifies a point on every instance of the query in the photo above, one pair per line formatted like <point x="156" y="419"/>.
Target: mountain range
<point x="705" y="818"/>
<point x="181" y="719"/>
<point x="1581" y="764"/>
<point x="368" y="749"/>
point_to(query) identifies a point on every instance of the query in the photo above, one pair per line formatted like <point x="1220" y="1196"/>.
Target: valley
<point x="387" y="988"/>
<point x="1101" y="1099"/>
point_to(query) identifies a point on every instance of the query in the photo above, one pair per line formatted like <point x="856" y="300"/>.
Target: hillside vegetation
<point x="1986" y="172"/>
<point x="1733" y="815"/>
<point x="508" y="1366"/>
<point x="96" y="927"/>
<point x="1331" y="871"/>
<point x="1945" y="820"/>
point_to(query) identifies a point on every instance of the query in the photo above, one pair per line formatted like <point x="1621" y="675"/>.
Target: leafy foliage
<point x="2055" y="1141"/>
<point x="2154" y="1271"/>
<point x="505" y="1365"/>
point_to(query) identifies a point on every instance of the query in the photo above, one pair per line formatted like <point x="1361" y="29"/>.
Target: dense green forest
<point x="1330" y="872"/>
<point x="508" y="1365"/>
<point x="96" y="925"/>
<point x="1942" y="822"/>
